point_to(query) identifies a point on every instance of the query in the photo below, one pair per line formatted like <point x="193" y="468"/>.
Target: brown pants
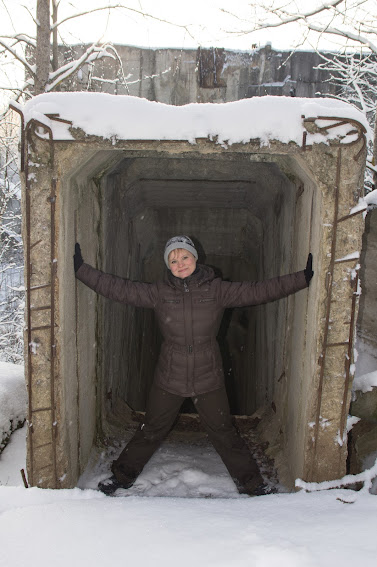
<point x="162" y="410"/>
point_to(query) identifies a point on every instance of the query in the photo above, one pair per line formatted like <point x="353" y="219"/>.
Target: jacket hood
<point x="202" y="274"/>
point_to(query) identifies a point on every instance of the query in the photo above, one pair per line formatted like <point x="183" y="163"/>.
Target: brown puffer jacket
<point x="189" y="313"/>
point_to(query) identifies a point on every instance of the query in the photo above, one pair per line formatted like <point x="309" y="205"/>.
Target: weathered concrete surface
<point x="265" y="209"/>
<point x="364" y="405"/>
<point x="181" y="76"/>
<point x="367" y="321"/>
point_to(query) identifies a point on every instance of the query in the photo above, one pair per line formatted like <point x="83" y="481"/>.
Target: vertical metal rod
<point x="348" y="359"/>
<point x="28" y="268"/>
<point x="24" y="478"/>
<point x="52" y="199"/>
<point x="52" y="321"/>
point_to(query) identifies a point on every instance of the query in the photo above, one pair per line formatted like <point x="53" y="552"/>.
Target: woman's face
<point x="182" y="263"/>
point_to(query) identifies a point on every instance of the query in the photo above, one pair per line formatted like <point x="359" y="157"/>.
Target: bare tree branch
<point x="355" y="30"/>
<point x="91" y="54"/>
<point x="19" y="58"/>
<point x="344" y="33"/>
<point x="31" y="15"/>
<point x="122" y="7"/>
<point x="289" y="19"/>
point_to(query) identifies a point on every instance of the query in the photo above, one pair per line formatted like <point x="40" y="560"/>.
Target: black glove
<point x="309" y="269"/>
<point x="77" y="258"/>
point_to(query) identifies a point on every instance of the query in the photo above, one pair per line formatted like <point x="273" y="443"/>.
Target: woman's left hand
<point x="77" y="258"/>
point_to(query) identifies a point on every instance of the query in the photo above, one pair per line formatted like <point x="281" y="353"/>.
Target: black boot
<point x="255" y="487"/>
<point x="110" y="485"/>
<point x="263" y="489"/>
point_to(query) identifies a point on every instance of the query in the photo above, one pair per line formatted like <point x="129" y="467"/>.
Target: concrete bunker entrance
<point x="249" y="217"/>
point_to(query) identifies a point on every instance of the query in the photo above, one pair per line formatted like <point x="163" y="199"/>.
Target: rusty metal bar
<point x="344" y="413"/>
<point x="352" y="215"/>
<point x="43" y="445"/>
<point x="43" y="308"/>
<point x="36" y="243"/>
<point x="41" y="409"/>
<point x="340" y="121"/>
<point x="41" y="328"/>
<point x="28" y="309"/>
<point x="34" y="122"/>
<point x="24" y="478"/>
<point x="52" y="315"/>
<point x="45" y="467"/>
<point x="335" y="125"/>
<point x="29" y="247"/>
<point x="57" y="118"/>
<point x="39" y="286"/>
<point x="337" y="118"/>
<point x="345" y="343"/>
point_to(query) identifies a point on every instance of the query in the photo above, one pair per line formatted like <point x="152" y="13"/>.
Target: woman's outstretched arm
<point x="113" y="287"/>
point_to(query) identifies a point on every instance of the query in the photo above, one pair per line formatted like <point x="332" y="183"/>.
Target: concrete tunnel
<point x="254" y="212"/>
<point x="249" y="220"/>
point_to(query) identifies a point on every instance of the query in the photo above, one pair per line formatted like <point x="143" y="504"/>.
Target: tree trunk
<point x="55" y="53"/>
<point x="42" y="52"/>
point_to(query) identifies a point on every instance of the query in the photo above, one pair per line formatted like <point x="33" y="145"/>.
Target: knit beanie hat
<point x="179" y="242"/>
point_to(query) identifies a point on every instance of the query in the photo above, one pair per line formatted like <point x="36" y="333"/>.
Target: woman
<point x="189" y="305"/>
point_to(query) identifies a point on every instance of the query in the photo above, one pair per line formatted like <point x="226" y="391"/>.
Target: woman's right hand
<point x="77" y="258"/>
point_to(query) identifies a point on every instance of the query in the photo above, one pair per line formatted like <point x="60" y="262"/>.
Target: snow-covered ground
<point x="183" y="510"/>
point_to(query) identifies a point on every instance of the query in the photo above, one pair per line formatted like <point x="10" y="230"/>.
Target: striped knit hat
<point x="179" y="242"/>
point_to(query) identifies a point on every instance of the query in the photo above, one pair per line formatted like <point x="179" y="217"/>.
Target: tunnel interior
<point x="248" y="218"/>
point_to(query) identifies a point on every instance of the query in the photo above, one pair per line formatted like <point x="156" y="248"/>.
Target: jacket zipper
<point x="186" y="288"/>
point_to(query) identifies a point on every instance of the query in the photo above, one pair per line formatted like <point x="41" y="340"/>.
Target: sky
<point x="207" y="24"/>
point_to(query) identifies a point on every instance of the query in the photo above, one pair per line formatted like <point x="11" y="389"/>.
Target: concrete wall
<point x="182" y="76"/>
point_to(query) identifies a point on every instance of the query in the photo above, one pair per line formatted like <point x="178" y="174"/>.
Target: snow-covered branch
<point x="347" y="34"/>
<point x="93" y="53"/>
<point x="21" y="38"/>
<point x="287" y="18"/>
<point x="348" y="20"/>
<point x="18" y="57"/>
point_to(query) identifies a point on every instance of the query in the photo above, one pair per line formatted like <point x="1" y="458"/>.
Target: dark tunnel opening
<point x="241" y="216"/>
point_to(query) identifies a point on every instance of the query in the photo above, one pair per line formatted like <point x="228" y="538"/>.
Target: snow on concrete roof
<point x="132" y="118"/>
